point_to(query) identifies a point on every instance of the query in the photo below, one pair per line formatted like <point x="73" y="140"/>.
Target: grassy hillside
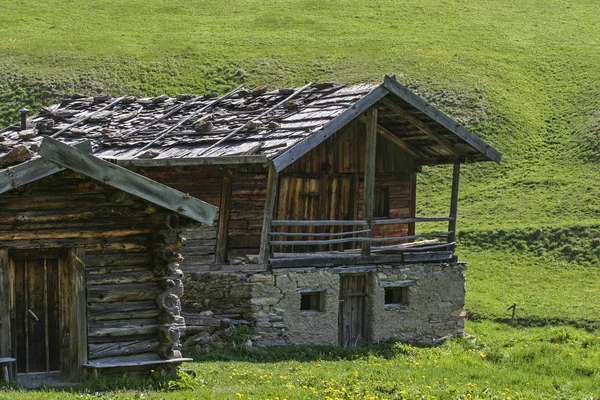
<point x="521" y="74"/>
<point x="524" y="75"/>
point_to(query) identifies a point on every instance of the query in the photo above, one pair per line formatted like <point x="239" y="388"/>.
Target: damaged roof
<point x="243" y="126"/>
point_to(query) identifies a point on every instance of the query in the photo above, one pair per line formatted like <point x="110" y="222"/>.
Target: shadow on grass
<point x="385" y="350"/>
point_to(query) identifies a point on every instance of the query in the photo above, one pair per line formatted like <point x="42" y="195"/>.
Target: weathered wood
<point x="145" y="359"/>
<point x="300" y="149"/>
<point x="123" y="327"/>
<point x="454" y="202"/>
<point x="113" y="349"/>
<point x="127" y="181"/>
<point x="124" y="292"/>
<point x="118" y="278"/>
<point x="86" y="118"/>
<point x="73" y="337"/>
<point x="428" y="256"/>
<point x="191" y="161"/>
<point x="265" y="113"/>
<point x="333" y="260"/>
<point x="271" y="198"/>
<point x="32" y="170"/>
<point x="326" y="234"/>
<point x="438" y="116"/>
<point x="122" y="310"/>
<point x="389" y="136"/>
<point x="422" y="126"/>
<point x="56" y="235"/>
<point x="319" y="223"/>
<point x="318" y="242"/>
<point x="5" y="302"/>
<point x="369" y="177"/>
<point x="224" y="215"/>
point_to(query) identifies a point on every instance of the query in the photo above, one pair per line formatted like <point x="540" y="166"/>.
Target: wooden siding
<point x="327" y="184"/>
<point x="114" y="230"/>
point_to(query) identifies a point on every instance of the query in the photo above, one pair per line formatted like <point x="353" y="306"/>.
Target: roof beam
<point x="473" y="140"/>
<point x="318" y="137"/>
<point x="389" y="136"/>
<point x="191" y="161"/>
<point x="32" y="170"/>
<point x="405" y="115"/>
<point x="127" y="181"/>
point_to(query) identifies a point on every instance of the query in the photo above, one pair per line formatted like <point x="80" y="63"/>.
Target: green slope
<point x="524" y="75"/>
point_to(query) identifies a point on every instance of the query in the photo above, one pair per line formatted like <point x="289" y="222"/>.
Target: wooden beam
<point x="32" y="170"/>
<point x="73" y="322"/>
<point x="271" y="199"/>
<point x="473" y="140"/>
<point x="128" y="181"/>
<point x="319" y="223"/>
<point x="318" y="137"/>
<point x="5" y="325"/>
<point x="370" y="166"/>
<point x="389" y="136"/>
<point x="224" y="214"/>
<point x="408" y="117"/>
<point x="181" y="162"/>
<point x="454" y="202"/>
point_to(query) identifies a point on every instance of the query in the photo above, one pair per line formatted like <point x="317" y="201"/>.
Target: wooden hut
<point x="86" y="246"/>
<point x="316" y="238"/>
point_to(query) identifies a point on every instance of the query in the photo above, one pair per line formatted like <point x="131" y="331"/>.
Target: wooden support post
<point x="73" y="323"/>
<point x="454" y="203"/>
<point x="224" y="214"/>
<point x="271" y="198"/>
<point x="5" y="335"/>
<point x="370" y="150"/>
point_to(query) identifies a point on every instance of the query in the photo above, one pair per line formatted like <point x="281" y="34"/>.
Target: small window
<point x="312" y="301"/>
<point x="382" y="203"/>
<point x="396" y="296"/>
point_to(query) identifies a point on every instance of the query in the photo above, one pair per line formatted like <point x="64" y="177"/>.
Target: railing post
<point x="370" y="154"/>
<point x="454" y="203"/>
<point x="271" y="197"/>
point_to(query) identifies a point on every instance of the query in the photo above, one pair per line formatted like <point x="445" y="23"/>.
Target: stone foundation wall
<point x="431" y="306"/>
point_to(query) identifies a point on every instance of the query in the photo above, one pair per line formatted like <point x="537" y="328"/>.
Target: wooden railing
<point x="358" y="235"/>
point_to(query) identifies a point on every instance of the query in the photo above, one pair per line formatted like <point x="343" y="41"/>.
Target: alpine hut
<point x="316" y="239"/>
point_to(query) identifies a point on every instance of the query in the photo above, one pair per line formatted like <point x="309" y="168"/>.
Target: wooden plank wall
<point x="113" y="229"/>
<point x="248" y="190"/>
<point x="327" y="183"/>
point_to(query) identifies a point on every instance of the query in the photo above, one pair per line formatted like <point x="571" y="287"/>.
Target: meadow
<point x="521" y="74"/>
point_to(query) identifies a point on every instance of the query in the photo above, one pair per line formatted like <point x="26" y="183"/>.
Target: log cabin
<point x="316" y="239"/>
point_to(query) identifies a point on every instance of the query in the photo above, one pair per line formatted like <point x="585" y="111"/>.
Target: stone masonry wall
<point x="432" y="307"/>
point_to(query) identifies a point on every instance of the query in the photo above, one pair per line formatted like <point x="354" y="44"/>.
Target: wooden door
<point x="35" y="312"/>
<point x="353" y="311"/>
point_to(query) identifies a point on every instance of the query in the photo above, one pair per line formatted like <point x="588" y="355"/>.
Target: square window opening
<point x="396" y="296"/>
<point x="312" y="301"/>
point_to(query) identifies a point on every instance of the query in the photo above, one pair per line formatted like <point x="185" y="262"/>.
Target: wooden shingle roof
<point x="247" y="126"/>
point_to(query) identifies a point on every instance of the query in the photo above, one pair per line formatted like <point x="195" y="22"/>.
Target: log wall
<point x="132" y="275"/>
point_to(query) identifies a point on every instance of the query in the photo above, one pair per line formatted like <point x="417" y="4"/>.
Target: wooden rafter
<point x="32" y="170"/>
<point x="438" y="116"/>
<point x="127" y="181"/>
<point x="405" y="115"/>
<point x="389" y="136"/>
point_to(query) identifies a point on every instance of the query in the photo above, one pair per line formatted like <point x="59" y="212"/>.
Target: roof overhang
<point x="391" y="86"/>
<point x="56" y="156"/>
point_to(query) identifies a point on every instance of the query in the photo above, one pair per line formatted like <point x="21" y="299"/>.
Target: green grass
<point x="521" y="74"/>
<point x="499" y="362"/>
